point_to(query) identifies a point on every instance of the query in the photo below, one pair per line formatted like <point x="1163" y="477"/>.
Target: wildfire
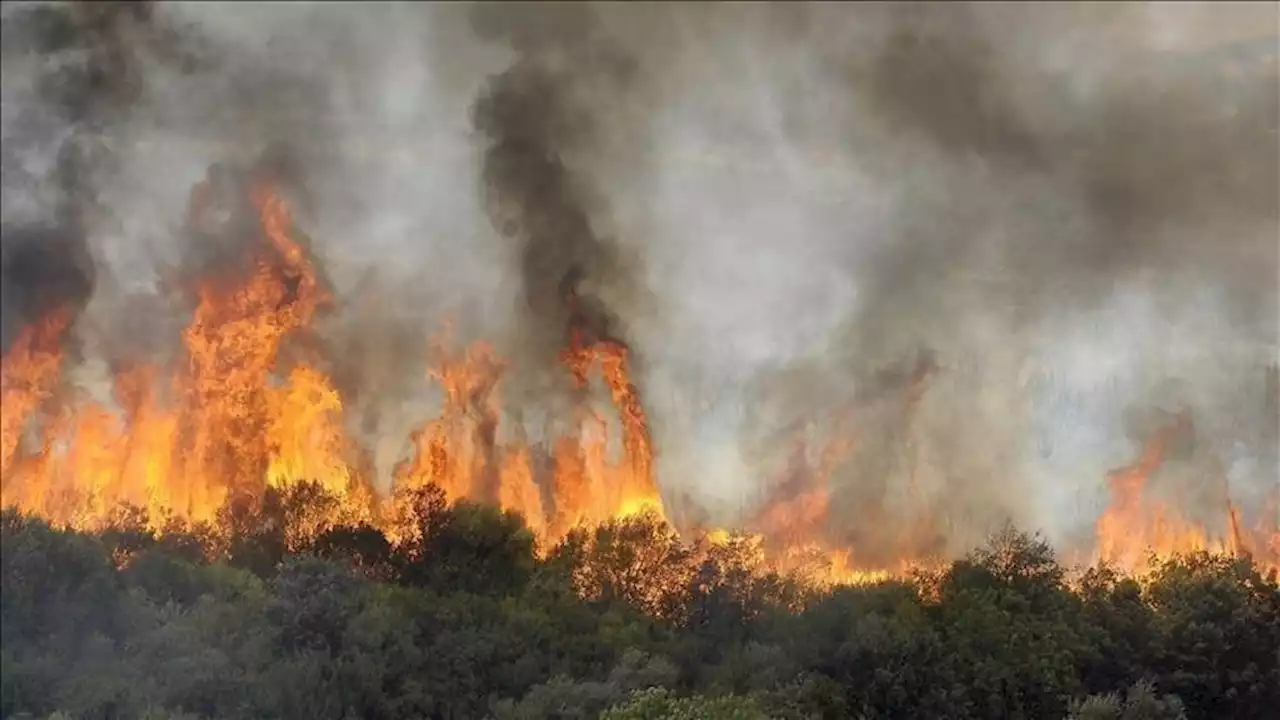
<point x="228" y="421"/>
<point x="28" y="373"/>
<point x="235" y="415"/>
<point x="1136" y="526"/>
<point x="182" y="441"/>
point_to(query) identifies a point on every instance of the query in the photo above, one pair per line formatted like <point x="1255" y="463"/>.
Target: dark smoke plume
<point x="45" y="265"/>
<point x="536" y="122"/>
<point x="45" y="262"/>
<point x="42" y="270"/>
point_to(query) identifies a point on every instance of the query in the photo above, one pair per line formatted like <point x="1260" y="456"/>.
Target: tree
<point x="312" y="603"/>
<point x="470" y="547"/>
<point x="1118" y="630"/>
<point x="455" y="616"/>
<point x="362" y="547"/>
<point x="58" y="585"/>
<point x="639" y="561"/>
<point x="1141" y="702"/>
<point x="1217" y="619"/>
<point x="660" y="704"/>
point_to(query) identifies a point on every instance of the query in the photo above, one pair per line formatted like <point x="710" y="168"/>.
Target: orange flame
<point x="1136" y="527"/>
<point x="233" y="419"/>
<point x="227" y="430"/>
<point x="28" y="373"/>
<point x="229" y="422"/>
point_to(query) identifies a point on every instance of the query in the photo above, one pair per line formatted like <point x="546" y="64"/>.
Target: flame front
<point x="236" y="415"/>
<point x="28" y="373"/>
<point x="1137" y="526"/>
<point x="220" y="426"/>
<point x="228" y="421"/>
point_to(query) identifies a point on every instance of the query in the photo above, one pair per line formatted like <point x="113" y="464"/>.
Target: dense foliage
<point x="461" y="618"/>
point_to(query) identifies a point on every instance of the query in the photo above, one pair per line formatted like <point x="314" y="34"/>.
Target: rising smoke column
<point x="536" y="121"/>
<point x="538" y="116"/>
<point x="51" y="200"/>
<point x="45" y="266"/>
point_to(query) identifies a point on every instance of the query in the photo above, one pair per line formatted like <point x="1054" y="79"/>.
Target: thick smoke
<point x="1035" y="195"/>
<point x="994" y="245"/>
<point x="537" y="116"/>
<point x="50" y="157"/>
<point x="45" y="267"/>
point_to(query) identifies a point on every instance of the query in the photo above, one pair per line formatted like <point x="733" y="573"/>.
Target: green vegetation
<point x="464" y="620"/>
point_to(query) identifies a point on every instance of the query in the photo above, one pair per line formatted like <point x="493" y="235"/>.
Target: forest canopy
<point x="464" y="616"/>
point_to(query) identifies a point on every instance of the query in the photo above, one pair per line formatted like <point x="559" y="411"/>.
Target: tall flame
<point x="1136" y="525"/>
<point x="221" y="426"/>
<point x="229" y="422"/>
<point x="233" y="418"/>
<point x="29" y="373"/>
